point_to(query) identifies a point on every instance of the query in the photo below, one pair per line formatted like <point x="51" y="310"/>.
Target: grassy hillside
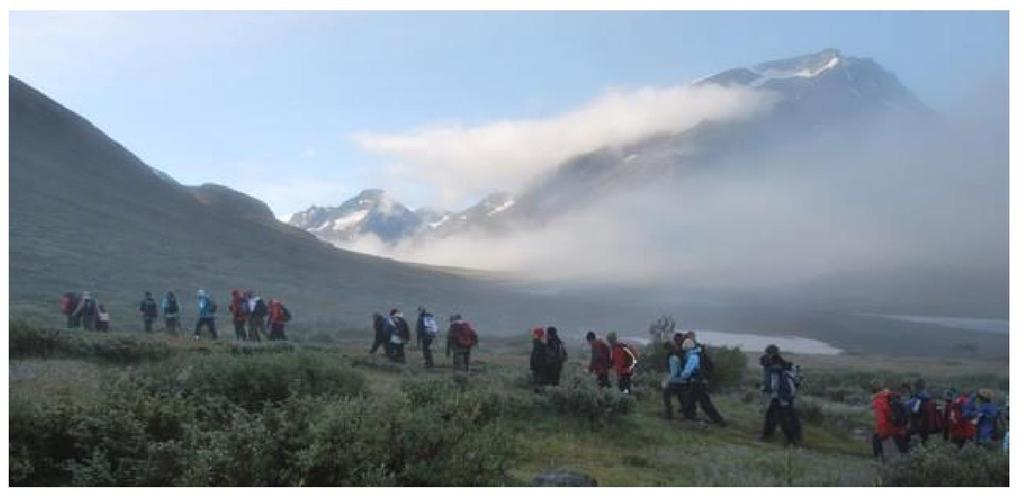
<point x="154" y="410"/>
<point x="87" y="214"/>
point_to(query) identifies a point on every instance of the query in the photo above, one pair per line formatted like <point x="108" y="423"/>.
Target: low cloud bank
<point x="463" y="160"/>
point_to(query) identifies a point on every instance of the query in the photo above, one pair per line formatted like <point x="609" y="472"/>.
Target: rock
<point x="563" y="478"/>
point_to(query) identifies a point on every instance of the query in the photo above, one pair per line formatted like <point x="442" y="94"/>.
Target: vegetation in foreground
<point x="92" y="409"/>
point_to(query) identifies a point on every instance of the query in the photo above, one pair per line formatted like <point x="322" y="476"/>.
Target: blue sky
<point x="270" y="103"/>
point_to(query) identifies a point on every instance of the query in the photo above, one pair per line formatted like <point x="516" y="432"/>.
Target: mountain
<point x="374" y="213"/>
<point x="371" y="212"/>
<point x="87" y="214"/>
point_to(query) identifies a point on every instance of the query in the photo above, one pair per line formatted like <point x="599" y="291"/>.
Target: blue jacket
<point x="205" y="307"/>
<point x="987" y="413"/>
<point x="675" y="369"/>
<point x="692" y="368"/>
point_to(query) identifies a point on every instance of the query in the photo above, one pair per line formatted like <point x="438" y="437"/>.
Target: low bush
<point x="941" y="464"/>
<point x="31" y="342"/>
<point x="583" y="400"/>
<point x="251" y="381"/>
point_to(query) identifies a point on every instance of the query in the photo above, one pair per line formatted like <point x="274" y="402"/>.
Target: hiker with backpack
<point x="985" y="415"/>
<point x="781" y="379"/>
<point x="960" y="419"/>
<point x="380" y="335"/>
<point x="398" y="335"/>
<point x="543" y="359"/>
<point x="172" y="313"/>
<point x="925" y="417"/>
<point x="278" y="316"/>
<point x="149" y="311"/>
<point x="674" y="384"/>
<point x="461" y="340"/>
<point x="207" y="310"/>
<point x="239" y="308"/>
<point x="624" y="359"/>
<point x="600" y="360"/>
<point x="86" y="311"/>
<point x="102" y="319"/>
<point x="68" y="303"/>
<point x="257" y="314"/>
<point x="891" y="419"/>
<point x="426" y="332"/>
<point x="696" y="387"/>
<point x="561" y="355"/>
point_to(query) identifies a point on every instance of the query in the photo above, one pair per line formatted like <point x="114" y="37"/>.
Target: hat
<point x="772" y="349"/>
<point x="612" y="337"/>
<point x="986" y="394"/>
<point x="949" y="394"/>
<point x="200" y="292"/>
<point x="455" y="318"/>
<point x="688" y="343"/>
<point x="538" y="332"/>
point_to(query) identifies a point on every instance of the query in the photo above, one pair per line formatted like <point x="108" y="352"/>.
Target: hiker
<point x="624" y="358"/>
<point x="102" y="319"/>
<point x="207" y="314"/>
<point x="781" y="379"/>
<point x="890" y="419"/>
<point x="148" y="310"/>
<point x="696" y="387"/>
<point x="461" y="340"/>
<point x="426" y="332"/>
<point x="239" y="309"/>
<point x="380" y="336"/>
<point x="600" y="360"/>
<point x="172" y="313"/>
<point x="986" y="417"/>
<point x="960" y="420"/>
<point x="674" y="384"/>
<point x="398" y="335"/>
<point x="68" y="303"/>
<point x="542" y="359"/>
<point x="925" y="418"/>
<point x="279" y="315"/>
<point x="257" y="312"/>
<point x="948" y="397"/>
<point x="86" y="311"/>
<point x="561" y="355"/>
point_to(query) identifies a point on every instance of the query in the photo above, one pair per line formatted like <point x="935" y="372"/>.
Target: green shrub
<point x="28" y="342"/>
<point x="583" y="400"/>
<point x="941" y="464"/>
<point x="251" y="381"/>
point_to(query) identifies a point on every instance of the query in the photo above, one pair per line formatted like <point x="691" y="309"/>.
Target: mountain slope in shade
<point x="87" y="214"/>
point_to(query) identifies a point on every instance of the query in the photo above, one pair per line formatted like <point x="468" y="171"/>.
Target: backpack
<point x="88" y="307"/>
<point x="149" y="307"/>
<point x="934" y="421"/>
<point x="786" y="381"/>
<point x="260" y="309"/>
<point x="631" y="355"/>
<point x="172" y="306"/>
<point x="898" y="414"/>
<point x="213" y="305"/>
<point x="287" y="314"/>
<point x="707" y="366"/>
<point x="429" y="325"/>
<point x="464" y="335"/>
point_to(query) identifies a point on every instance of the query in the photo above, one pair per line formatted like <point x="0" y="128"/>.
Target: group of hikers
<point x="83" y="310"/>
<point x="899" y="416"/>
<point x="251" y="315"/>
<point x="913" y="412"/>
<point x="393" y="333"/>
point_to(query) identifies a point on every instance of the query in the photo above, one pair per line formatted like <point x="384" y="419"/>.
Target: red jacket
<point x="237" y="308"/>
<point x="883" y="426"/>
<point x="960" y="427"/>
<point x="623" y="362"/>
<point x="277" y="313"/>
<point x="600" y="357"/>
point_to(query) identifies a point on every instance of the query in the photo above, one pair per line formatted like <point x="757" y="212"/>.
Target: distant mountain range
<point x="816" y="91"/>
